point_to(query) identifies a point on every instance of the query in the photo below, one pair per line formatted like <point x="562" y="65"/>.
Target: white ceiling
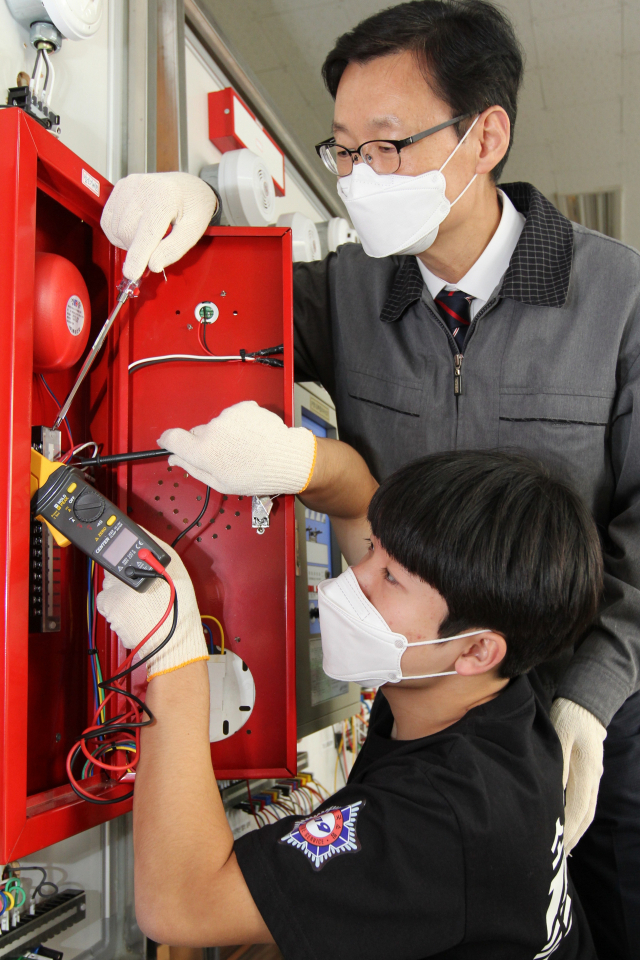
<point x="579" y="119"/>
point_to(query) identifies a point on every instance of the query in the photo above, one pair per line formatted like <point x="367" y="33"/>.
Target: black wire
<point x="204" y="335"/>
<point x="43" y="883"/>
<point x="197" y="519"/>
<point x="269" y="362"/>
<point x="100" y="803"/>
<point x="267" y="351"/>
<point x="134" y="666"/>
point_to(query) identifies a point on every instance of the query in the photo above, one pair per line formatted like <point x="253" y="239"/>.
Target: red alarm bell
<point x="62" y="313"/>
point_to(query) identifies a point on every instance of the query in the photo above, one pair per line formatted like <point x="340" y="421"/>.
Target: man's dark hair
<point x="467" y="49"/>
<point x="508" y="547"/>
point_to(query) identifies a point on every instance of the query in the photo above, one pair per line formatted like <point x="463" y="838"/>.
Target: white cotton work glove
<point x="132" y="615"/>
<point x="582" y="738"/>
<point x="247" y="450"/>
<point x="141" y="209"/>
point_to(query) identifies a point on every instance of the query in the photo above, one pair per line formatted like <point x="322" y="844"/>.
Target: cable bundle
<point x="350" y="738"/>
<point x="288" y="797"/>
<point x="119" y="734"/>
<point x="13" y="895"/>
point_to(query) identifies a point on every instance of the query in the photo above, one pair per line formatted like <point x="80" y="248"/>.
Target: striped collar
<point x="539" y="270"/>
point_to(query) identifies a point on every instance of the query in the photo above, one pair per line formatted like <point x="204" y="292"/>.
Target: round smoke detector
<point x="232" y="694"/>
<point x="333" y="233"/>
<point x="306" y="242"/>
<point x="75" y="19"/>
<point x="245" y="187"/>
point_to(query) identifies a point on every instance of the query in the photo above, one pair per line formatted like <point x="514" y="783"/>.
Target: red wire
<point x="133" y="714"/>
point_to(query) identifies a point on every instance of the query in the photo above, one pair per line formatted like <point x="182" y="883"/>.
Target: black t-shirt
<point x="448" y="846"/>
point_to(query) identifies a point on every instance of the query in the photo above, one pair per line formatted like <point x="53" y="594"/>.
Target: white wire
<point x="183" y="356"/>
<point x="83" y="446"/>
<point x="52" y="77"/>
<point x="36" y="76"/>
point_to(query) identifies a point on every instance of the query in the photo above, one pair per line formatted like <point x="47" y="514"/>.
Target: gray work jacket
<point x="550" y="368"/>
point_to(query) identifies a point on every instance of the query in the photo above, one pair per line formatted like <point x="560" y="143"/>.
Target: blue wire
<point x="55" y="400"/>
<point x="208" y="629"/>
<point x="91" y="616"/>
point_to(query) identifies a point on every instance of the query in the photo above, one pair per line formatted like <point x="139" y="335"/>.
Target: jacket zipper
<point x="457" y="373"/>
<point x="459" y="357"/>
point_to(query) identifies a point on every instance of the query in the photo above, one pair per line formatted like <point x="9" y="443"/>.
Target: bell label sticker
<point x="90" y="182"/>
<point x="75" y="316"/>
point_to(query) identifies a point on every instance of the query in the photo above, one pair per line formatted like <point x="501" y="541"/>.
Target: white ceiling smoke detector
<point x="75" y="19"/>
<point x="306" y="242"/>
<point x="245" y="187"/>
<point x="333" y="233"/>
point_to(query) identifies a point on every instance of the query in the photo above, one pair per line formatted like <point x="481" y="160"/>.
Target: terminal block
<point x="44" y="573"/>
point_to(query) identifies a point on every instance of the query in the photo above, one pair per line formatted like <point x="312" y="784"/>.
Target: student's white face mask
<point x="357" y="643"/>
<point x="395" y="214"/>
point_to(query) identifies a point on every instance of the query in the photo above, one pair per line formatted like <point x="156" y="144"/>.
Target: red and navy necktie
<point x="454" y="306"/>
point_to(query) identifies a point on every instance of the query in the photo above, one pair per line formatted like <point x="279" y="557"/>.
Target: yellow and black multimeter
<point x="76" y="513"/>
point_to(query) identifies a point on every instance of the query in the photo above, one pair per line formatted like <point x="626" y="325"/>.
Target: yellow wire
<point x="207" y="616"/>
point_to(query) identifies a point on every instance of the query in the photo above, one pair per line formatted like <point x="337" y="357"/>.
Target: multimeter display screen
<point x="120" y="546"/>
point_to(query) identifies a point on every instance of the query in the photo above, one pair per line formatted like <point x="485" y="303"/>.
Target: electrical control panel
<point x="321" y="700"/>
<point x="240" y="552"/>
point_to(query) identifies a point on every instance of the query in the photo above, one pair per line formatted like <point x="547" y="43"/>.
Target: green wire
<point x="15" y="881"/>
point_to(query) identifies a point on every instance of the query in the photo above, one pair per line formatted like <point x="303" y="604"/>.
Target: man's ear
<point x="485" y="653"/>
<point x="494" y="131"/>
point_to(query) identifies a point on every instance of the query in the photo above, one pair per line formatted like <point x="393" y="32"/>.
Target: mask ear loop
<point x="424" y="643"/>
<point x="452" y="154"/>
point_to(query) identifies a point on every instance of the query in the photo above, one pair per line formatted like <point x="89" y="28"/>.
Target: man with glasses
<point x="471" y="317"/>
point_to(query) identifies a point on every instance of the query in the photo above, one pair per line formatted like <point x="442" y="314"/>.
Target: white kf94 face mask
<point x="395" y="214"/>
<point x="357" y="643"/>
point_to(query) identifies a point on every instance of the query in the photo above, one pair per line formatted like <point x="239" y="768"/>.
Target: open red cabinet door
<point x="50" y="202"/>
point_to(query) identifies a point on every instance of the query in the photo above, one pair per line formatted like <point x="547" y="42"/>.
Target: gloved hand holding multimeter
<point x="76" y="513"/>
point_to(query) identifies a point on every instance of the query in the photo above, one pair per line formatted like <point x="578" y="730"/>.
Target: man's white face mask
<point x="394" y="214"/>
<point x="357" y="643"/>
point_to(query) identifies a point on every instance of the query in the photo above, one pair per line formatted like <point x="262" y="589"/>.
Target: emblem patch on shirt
<point x="327" y="834"/>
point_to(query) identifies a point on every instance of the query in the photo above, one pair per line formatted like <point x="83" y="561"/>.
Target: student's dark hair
<point x="467" y="49"/>
<point x="509" y="548"/>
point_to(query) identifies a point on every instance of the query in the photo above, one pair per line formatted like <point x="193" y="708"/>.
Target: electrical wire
<point x="55" y="400"/>
<point x="117" y="733"/>
<point x="92" y="621"/>
<point x="265" y="357"/>
<point x="65" y="458"/>
<point x="197" y="519"/>
<point x="37" y="890"/>
<point x="207" y="616"/>
<point x="202" y="328"/>
<point x="205" y="626"/>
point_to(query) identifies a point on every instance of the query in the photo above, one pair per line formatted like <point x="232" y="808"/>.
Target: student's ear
<point x="485" y="653"/>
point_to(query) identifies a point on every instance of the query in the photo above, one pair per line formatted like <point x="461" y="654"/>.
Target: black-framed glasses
<point x="382" y="155"/>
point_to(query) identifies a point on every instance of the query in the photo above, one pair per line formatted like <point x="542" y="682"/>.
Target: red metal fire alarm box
<point x="51" y="202"/>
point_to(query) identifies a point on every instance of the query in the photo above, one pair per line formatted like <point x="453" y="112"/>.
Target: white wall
<point x="81" y="91"/>
<point x="203" y="77"/>
<point x="578" y="127"/>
